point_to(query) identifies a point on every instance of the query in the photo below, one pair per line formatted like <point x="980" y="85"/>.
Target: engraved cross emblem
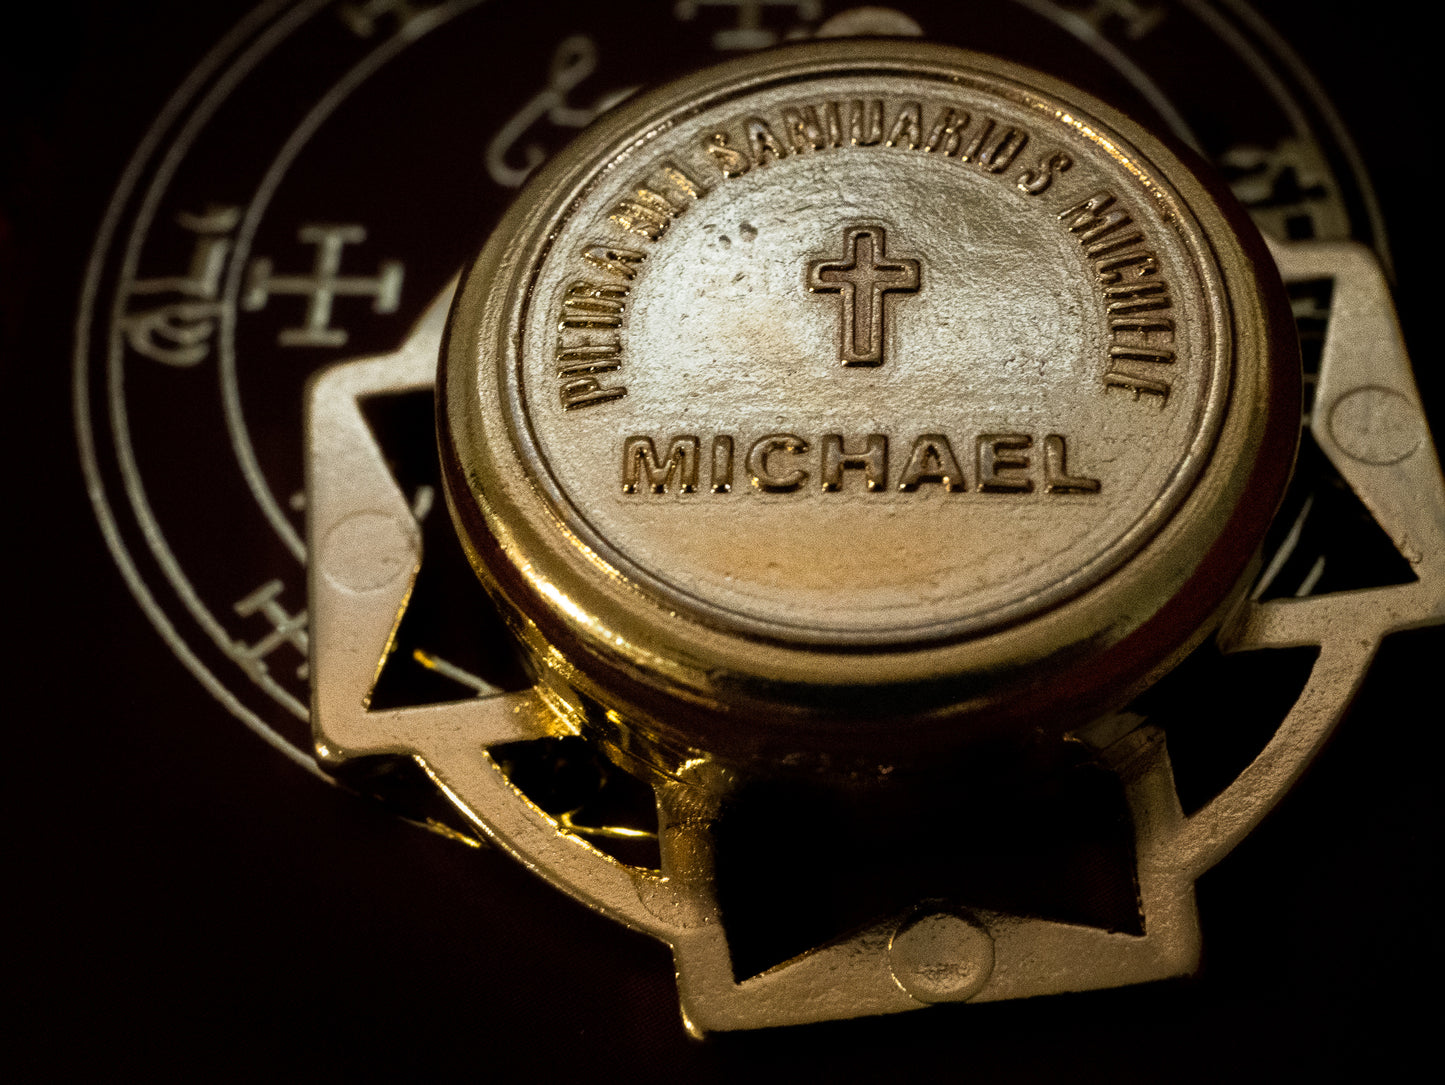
<point x="863" y="277"/>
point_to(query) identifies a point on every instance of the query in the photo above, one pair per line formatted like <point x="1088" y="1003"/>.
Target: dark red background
<point x="185" y="903"/>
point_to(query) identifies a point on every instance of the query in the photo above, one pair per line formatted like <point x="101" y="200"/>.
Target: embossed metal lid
<point x="861" y="400"/>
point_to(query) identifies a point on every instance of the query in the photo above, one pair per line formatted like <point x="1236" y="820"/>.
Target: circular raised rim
<point x="609" y="147"/>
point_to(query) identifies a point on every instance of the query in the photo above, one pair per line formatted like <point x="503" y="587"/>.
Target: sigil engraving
<point x="179" y="333"/>
<point x="286" y="628"/>
<point x="749" y="31"/>
<point x="363" y="17"/>
<point x="1133" y="18"/>
<point x="1288" y="189"/>
<point x="572" y="63"/>
<point x="863" y="277"/>
<point x="323" y="285"/>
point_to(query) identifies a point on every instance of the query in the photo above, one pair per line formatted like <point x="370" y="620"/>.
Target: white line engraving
<point x="179" y="333"/>
<point x="286" y="628"/>
<point x="457" y="674"/>
<point x="362" y="18"/>
<point x="749" y="33"/>
<point x="324" y="285"/>
<point x="1137" y="20"/>
<point x="1287" y="189"/>
<point x="572" y="62"/>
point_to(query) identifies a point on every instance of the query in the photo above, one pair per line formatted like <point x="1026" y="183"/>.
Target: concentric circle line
<point x="1084" y="31"/>
<point x="245" y="234"/>
<point x="1251" y="37"/>
<point x="1380" y="241"/>
<point x="120" y="422"/>
<point x="81" y="404"/>
<point x="1214" y="328"/>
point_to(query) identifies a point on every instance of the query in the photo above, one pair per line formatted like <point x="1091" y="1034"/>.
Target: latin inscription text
<point x="1135" y="293"/>
<point x="592" y="310"/>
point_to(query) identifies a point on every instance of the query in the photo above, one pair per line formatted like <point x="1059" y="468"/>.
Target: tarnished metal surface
<point x="188" y="895"/>
<point x="938" y="952"/>
<point x="1078" y="407"/>
<point x="992" y="956"/>
<point x="606" y="339"/>
<point x="1005" y="327"/>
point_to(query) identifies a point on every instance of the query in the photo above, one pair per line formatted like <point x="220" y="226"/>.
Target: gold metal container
<point x="850" y="406"/>
<point x="847" y="433"/>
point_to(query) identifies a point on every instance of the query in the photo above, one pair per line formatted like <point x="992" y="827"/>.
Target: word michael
<point x="788" y="463"/>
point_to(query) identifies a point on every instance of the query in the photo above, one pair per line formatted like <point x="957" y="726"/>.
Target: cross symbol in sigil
<point x="863" y="277"/>
<point x="323" y="286"/>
